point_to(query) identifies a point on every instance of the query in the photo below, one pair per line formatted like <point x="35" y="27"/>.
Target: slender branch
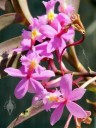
<point x="72" y="44"/>
<point x="68" y="121"/>
<point x="88" y="82"/>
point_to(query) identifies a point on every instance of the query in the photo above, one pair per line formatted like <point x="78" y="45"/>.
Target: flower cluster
<point x="45" y="38"/>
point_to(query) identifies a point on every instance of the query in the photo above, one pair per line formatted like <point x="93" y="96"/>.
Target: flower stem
<point x="88" y="82"/>
<point x="68" y="121"/>
<point x="72" y="44"/>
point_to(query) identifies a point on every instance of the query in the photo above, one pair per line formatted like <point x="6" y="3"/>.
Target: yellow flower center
<point x="33" y="64"/>
<point x="51" y="16"/>
<point x="52" y="98"/>
<point x="34" y="34"/>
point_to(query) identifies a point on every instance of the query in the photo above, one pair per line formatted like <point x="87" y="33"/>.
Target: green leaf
<point x="30" y="112"/>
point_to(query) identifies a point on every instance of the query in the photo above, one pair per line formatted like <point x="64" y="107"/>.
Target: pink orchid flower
<point x="57" y="36"/>
<point x="29" y="81"/>
<point x="30" y="73"/>
<point x="68" y="97"/>
<point x="49" y="99"/>
<point x="31" y="60"/>
<point x="33" y="34"/>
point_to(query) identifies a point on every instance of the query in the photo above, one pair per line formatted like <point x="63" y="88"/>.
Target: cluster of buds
<point x="48" y="37"/>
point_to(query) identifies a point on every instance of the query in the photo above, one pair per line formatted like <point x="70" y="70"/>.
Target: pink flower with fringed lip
<point x="30" y="73"/>
<point x="58" y="99"/>
<point x="31" y="60"/>
<point x="29" y="82"/>
<point x="67" y="98"/>
<point x="58" y="36"/>
<point x="49" y="98"/>
<point x="33" y="33"/>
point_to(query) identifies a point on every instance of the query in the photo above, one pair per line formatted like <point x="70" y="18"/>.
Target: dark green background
<point x="86" y="53"/>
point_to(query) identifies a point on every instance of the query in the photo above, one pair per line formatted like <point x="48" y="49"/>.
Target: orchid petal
<point x="39" y="69"/>
<point x="25" y="60"/>
<point x="14" y="72"/>
<point x="21" y="88"/>
<point x="56" y="115"/>
<point x="51" y="32"/>
<point x="51" y="46"/>
<point x="62" y="46"/>
<point x="42" y="50"/>
<point x="66" y="84"/>
<point x="76" y="110"/>
<point x="37" y="86"/>
<point x="26" y="43"/>
<point x="56" y="24"/>
<point x="26" y="34"/>
<point x="76" y="94"/>
<point x="43" y="75"/>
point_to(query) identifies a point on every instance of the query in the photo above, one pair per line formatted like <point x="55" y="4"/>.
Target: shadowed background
<point x="86" y="53"/>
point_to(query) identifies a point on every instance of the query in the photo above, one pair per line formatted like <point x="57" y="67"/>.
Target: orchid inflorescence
<point x="47" y="38"/>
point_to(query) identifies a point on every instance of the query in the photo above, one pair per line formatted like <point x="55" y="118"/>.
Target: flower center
<point x="33" y="65"/>
<point x="51" y="16"/>
<point x="34" y="34"/>
<point x="52" y="98"/>
<point x="63" y="31"/>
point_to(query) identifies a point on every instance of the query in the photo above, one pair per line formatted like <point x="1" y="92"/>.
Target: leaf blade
<point x="7" y="19"/>
<point x="7" y="56"/>
<point x="33" y="110"/>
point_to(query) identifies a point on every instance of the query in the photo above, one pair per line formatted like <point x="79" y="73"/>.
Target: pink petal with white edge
<point x="66" y="85"/>
<point x="48" y="31"/>
<point x="76" y="94"/>
<point x="14" y="72"/>
<point x="76" y="110"/>
<point x="56" y="115"/>
<point x="21" y="88"/>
